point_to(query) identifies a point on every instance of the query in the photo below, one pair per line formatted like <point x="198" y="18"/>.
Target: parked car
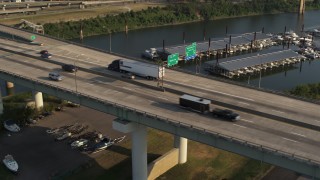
<point x="69" y="68"/>
<point x="11" y="126"/>
<point x="46" y="55"/>
<point x="55" y="76"/>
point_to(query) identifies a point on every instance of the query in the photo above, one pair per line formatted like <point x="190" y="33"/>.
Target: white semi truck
<point x="149" y="71"/>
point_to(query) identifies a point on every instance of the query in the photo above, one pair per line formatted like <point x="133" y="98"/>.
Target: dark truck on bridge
<point x="195" y="103"/>
<point x="203" y="106"/>
<point x="225" y="114"/>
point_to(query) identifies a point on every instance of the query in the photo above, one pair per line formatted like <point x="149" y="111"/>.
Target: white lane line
<point x="239" y="126"/>
<point x="289" y="139"/>
<point x="162" y="98"/>
<point x="246" y="120"/>
<point x="298" y="134"/>
<point x="244" y="103"/>
<point x="127" y="88"/>
<point x="277" y="111"/>
<point x="214" y="91"/>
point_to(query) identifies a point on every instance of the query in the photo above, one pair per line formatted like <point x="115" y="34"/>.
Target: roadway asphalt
<point x="40" y="157"/>
<point x="264" y="131"/>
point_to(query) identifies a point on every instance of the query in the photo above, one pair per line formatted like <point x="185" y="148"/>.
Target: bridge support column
<point x="182" y="144"/>
<point x="302" y="7"/>
<point x="10" y="88"/>
<point x="38" y="100"/>
<point x="1" y="103"/>
<point x="139" y="146"/>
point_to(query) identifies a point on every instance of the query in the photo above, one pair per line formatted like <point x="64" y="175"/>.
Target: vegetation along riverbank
<point x="171" y="14"/>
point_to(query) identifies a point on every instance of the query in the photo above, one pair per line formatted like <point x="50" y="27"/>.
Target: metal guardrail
<point x="176" y="123"/>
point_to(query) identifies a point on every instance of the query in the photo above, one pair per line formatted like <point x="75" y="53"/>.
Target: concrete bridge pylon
<point x="302" y="6"/>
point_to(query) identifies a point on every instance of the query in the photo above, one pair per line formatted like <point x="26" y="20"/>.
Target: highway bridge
<point x="274" y="128"/>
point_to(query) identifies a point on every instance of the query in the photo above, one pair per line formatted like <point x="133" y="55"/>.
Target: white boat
<point x="150" y="53"/>
<point x="79" y="143"/>
<point x="11" y="126"/>
<point x="10" y="163"/>
<point x="63" y="136"/>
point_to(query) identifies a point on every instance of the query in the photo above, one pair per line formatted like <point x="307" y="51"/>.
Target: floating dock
<point x="227" y="45"/>
<point x="236" y="67"/>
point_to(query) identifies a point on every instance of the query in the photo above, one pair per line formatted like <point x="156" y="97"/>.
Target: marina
<point x="251" y="64"/>
<point x="218" y="46"/>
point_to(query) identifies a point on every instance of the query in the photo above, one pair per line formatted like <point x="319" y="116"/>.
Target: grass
<point x="59" y="14"/>
<point x="204" y="162"/>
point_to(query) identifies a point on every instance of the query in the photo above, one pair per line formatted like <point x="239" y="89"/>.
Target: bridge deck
<point x="261" y="130"/>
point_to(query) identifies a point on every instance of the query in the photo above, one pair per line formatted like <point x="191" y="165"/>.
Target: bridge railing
<point x="174" y="122"/>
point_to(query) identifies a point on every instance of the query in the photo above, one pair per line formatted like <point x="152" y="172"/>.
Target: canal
<point x="136" y="41"/>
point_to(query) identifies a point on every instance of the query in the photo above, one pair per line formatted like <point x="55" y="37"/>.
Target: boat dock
<point x="222" y="46"/>
<point x="256" y="63"/>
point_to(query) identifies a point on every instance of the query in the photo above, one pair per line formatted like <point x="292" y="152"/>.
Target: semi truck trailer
<point x="142" y="69"/>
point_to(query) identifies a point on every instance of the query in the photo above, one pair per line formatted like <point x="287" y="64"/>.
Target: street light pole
<point x="110" y="42"/>
<point x="75" y="77"/>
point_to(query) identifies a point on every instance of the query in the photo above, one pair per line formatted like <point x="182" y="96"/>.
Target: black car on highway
<point x="225" y="114"/>
<point x="69" y="68"/>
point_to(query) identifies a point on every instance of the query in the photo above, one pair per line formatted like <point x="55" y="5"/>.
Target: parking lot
<point x="41" y="157"/>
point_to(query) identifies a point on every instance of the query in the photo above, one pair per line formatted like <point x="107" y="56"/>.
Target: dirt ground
<point x="40" y="157"/>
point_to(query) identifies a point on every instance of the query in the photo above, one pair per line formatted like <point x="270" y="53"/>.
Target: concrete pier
<point x="302" y="7"/>
<point x="139" y="146"/>
<point x="38" y="99"/>
<point x="139" y="153"/>
<point x="182" y="144"/>
<point x="10" y="88"/>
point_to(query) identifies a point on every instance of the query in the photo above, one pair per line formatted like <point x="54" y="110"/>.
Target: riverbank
<point x="172" y="14"/>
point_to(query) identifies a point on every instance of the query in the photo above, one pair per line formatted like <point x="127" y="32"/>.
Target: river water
<point x="136" y="41"/>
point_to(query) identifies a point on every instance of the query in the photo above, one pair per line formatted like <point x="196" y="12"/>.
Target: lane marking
<point x="239" y="126"/>
<point x="162" y="98"/>
<point x="277" y="111"/>
<point x="289" y="140"/>
<point x="127" y="88"/>
<point x="214" y="91"/>
<point x="246" y="120"/>
<point x="244" y="103"/>
<point x="298" y="134"/>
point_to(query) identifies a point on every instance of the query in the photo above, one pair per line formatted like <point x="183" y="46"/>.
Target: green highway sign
<point x="191" y="51"/>
<point x="173" y="59"/>
<point x="33" y="37"/>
